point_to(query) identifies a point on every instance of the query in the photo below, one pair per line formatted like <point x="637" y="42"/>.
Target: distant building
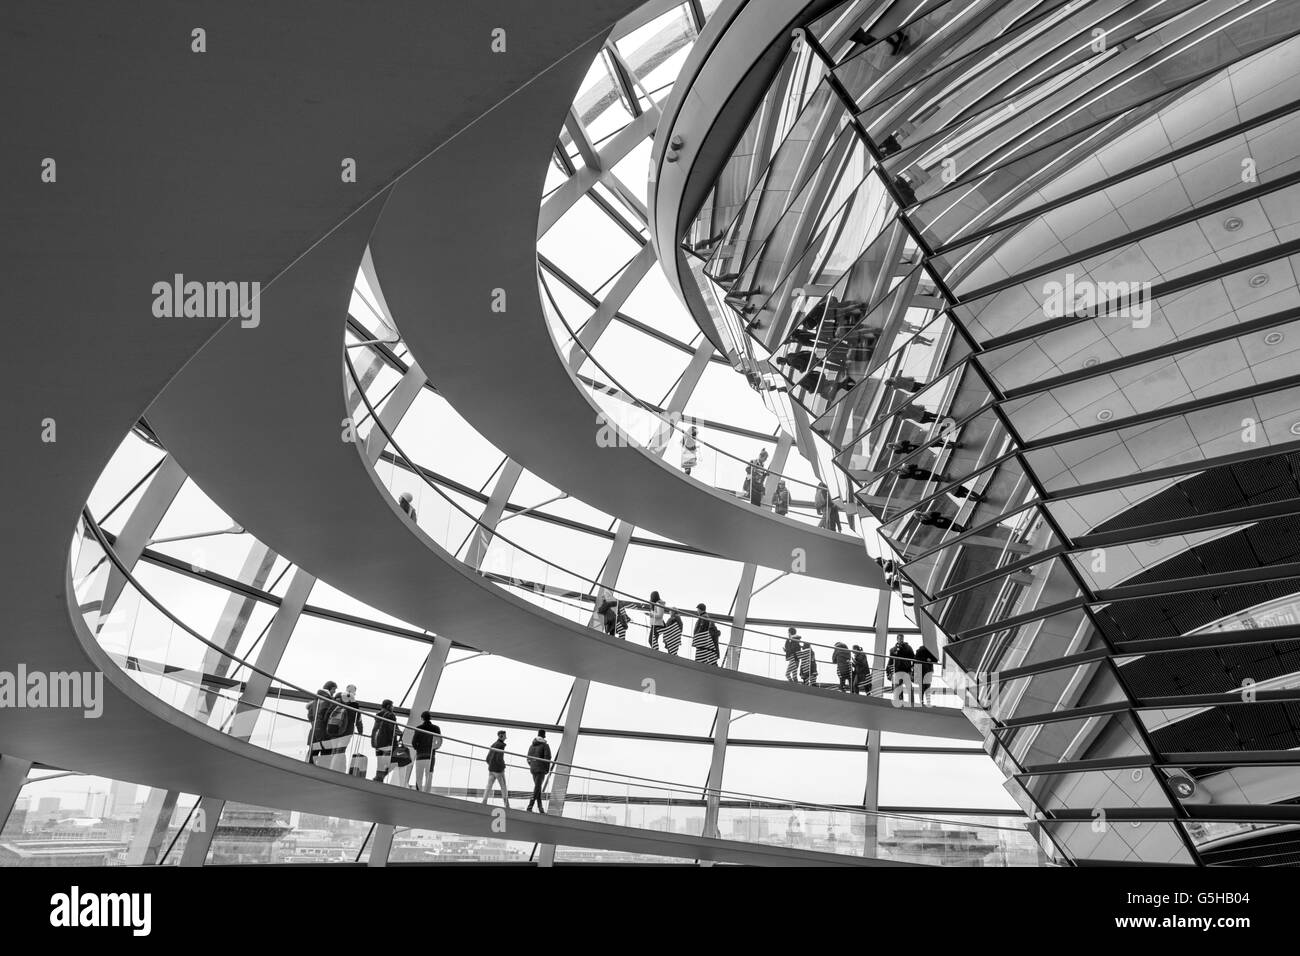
<point x="62" y="853"/>
<point x="245" y="834"/>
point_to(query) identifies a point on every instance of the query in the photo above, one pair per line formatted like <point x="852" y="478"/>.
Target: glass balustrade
<point x="156" y="648"/>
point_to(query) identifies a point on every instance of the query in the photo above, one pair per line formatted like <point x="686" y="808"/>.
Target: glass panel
<point x="1067" y="741"/>
<point x="1092" y="789"/>
<point x="1121" y="842"/>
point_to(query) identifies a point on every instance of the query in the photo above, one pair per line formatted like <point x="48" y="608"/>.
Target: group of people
<point x="852" y="667"/>
<point x="334" y="720"/>
<point x="830" y="348"/>
<point x="666" y="626"/>
<point x="905" y="670"/>
<point x="755" y="486"/>
<point x="539" y="765"/>
<point x="908" y="670"/>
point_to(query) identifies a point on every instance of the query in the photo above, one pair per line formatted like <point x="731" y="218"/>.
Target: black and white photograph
<point x="627" y="446"/>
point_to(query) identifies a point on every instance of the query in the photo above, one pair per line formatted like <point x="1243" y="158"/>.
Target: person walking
<point x="672" y="633"/>
<point x="621" y="622"/>
<point x="656" y="619"/>
<point x="927" y="660"/>
<point x="607" y="609"/>
<point x="807" y="664"/>
<point x="781" y="497"/>
<point x="427" y="740"/>
<point x="843" y="662"/>
<point x="344" y="721"/>
<point x="793" y="644"/>
<point x="705" y="638"/>
<point x="496" y="769"/>
<point x="404" y="502"/>
<point x="539" y="765"/>
<point x="690" y="449"/>
<point x="318" y="714"/>
<point x="830" y="515"/>
<point x="861" y="671"/>
<point x="899" y="672"/>
<point x="381" y="738"/>
<point x="756" y="481"/>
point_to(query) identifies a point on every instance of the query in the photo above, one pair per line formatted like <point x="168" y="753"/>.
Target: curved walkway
<point x="447" y="241"/>
<point x="91" y="245"/>
<point x="250" y="420"/>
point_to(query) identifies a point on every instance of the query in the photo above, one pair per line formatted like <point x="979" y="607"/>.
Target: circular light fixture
<point x="1273" y="338"/>
<point x="1259" y="279"/>
<point x="1232" y="223"/>
<point x="1155" y="542"/>
<point x="1295" y="428"/>
<point x="1105" y="415"/>
<point x="1091" y="362"/>
<point x="1136" y="774"/>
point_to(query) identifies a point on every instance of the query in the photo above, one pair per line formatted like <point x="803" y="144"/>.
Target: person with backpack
<point x="318" y="713"/>
<point x="861" y="671"/>
<point x="843" y="662"/>
<point x="705" y="638"/>
<point x="344" y="721"/>
<point x="807" y="664"/>
<point x="656" y="619"/>
<point x="927" y="660"/>
<point x="793" y="643"/>
<point x="672" y="633"/>
<point x="539" y="765"/>
<point x="381" y="738"/>
<point x="427" y="741"/>
<point x="496" y="769"/>
<point x="899" y="672"/>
